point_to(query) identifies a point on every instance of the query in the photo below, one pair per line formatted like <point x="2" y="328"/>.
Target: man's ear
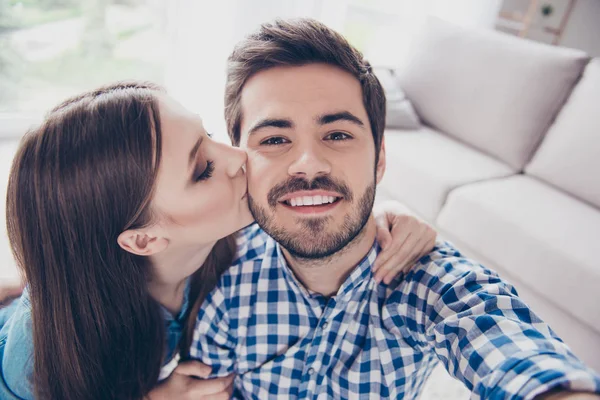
<point x="142" y="243"/>
<point x="380" y="168"/>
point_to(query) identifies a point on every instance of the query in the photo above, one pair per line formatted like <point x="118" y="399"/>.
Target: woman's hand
<point x="9" y="292"/>
<point x="403" y="239"/>
<point x="188" y="382"/>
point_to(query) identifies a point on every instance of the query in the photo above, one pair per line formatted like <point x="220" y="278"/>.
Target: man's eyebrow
<point x="194" y="151"/>
<point x="271" y="123"/>
<point x="339" y="116"/>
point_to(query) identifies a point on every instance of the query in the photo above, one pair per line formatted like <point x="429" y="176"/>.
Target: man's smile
<point x="311" y="201"/>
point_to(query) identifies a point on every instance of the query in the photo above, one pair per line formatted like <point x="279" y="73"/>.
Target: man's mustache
<point x="294" y="184"/>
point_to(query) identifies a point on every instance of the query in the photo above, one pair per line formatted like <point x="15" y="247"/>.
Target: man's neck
<point x="326" y="275"/>
<point x="171" y="268"/>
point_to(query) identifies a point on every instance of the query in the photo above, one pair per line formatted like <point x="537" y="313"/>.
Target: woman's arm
<point x="9" y="292"/>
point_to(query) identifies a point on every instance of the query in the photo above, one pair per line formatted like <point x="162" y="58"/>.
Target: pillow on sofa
<point x="400" y="113"/>
<point x="496" y="92"/>
<point x="568" y="156"/>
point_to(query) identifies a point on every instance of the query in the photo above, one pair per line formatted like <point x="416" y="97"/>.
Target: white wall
<point x="470" y="13"/>
<point x="581" y="32"/>
<point x="583" y="29"/>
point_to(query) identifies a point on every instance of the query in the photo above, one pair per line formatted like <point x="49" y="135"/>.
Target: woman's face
<point x="200" y="194"/>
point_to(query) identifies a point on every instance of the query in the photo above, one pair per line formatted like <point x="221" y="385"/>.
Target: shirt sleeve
<point x="16" y="352"/>
<point x="212" y="343"/>
<point x="485" y="335"/>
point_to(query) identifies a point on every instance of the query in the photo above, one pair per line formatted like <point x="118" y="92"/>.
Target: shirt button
<point x="311" y="371"/>
<point x="324" y="325"/>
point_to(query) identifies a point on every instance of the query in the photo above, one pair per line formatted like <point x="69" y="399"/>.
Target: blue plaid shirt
<point x="377" y="341"/>
<point x="174" y="326"/>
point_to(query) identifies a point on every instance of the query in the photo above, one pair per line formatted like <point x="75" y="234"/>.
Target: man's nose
<point x="309" y="162"/>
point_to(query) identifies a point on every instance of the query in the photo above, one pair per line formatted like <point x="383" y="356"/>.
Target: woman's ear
<point x="141" y="243"/>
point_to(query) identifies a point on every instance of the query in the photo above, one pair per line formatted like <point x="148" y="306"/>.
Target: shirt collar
<point x="361" y="274"/>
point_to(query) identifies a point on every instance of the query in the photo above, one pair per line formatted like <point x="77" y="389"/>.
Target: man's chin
<point x="312" y="243"/>
<point x="313" y="251"/>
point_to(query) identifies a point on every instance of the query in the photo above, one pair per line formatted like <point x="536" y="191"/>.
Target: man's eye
<point x="274" y="141"/>
<point x="336" y="136"/>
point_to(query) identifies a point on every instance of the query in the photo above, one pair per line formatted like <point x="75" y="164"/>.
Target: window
<point x="51" y="49"/>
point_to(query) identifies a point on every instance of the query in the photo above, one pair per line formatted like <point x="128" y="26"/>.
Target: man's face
<point x="311" y="157"/>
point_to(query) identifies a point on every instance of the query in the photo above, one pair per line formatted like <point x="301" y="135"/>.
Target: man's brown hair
<point x="294" y="43"/>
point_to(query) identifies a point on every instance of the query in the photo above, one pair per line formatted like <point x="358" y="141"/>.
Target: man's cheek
<point x="253" y="174"/>
<point x="258" y="167"/>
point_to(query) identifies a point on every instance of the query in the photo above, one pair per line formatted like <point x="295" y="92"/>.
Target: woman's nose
<point x="236" y="159"/>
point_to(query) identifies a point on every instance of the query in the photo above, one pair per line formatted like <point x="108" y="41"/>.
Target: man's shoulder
<point x="251" y="244"/>
<point x="442" y="283"/>
<point x="442" y="268"/>
<point x="255" y="251"/>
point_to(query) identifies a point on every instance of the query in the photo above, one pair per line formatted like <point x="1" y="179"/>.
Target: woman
<point x="113" y="205"/>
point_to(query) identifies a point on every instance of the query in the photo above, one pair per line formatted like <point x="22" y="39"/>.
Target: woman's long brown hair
<point x="80" y="179"/>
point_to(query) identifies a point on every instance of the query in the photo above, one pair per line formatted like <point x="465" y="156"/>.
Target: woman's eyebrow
<point x="194" y="151"/>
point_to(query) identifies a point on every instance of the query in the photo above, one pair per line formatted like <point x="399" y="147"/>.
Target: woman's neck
<point x="170" y="296"/>
<point x="171" y="269"/>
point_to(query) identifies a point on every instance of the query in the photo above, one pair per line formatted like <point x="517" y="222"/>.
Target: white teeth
<point x="310" y="201"/>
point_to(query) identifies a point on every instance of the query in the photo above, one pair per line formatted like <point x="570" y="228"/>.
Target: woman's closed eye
<point x="207" y="173"/>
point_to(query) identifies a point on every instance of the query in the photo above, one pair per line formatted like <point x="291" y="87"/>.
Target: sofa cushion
<point x="569" y="155"/>
<point x="424" y="165"/>
<point x="497" y="92"/>
<point x="546" y="237"/>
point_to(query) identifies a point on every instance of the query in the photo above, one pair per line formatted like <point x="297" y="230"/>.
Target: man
<point x="301" y="315"/>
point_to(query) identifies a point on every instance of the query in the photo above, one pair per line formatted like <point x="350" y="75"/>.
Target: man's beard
<point x="312" y="240"/>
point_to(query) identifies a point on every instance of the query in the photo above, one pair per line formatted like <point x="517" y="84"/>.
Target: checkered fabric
<point x="174" y="326"/>
<point x="377" y="341"/>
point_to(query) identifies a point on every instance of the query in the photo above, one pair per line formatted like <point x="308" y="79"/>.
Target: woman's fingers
<point x="403" y="239"/>
<point x="400" y="230"/>
<point x="401" y="227"/>
<point x="388" y="258"/>
<point x="384" y="237"/>
<point x="400" y="256"/>
<point x="193" y="368"/>
<point x="397" y="259"/>
<point x="212" y="387"/>
<point x="406" y="266"/>
<point x="10" y="292"/>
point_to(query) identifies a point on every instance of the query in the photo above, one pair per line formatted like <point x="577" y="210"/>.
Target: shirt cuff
<point x="524" y="376"/>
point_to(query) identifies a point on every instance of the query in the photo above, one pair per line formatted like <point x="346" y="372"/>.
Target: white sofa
<point x="507" y="166"/>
